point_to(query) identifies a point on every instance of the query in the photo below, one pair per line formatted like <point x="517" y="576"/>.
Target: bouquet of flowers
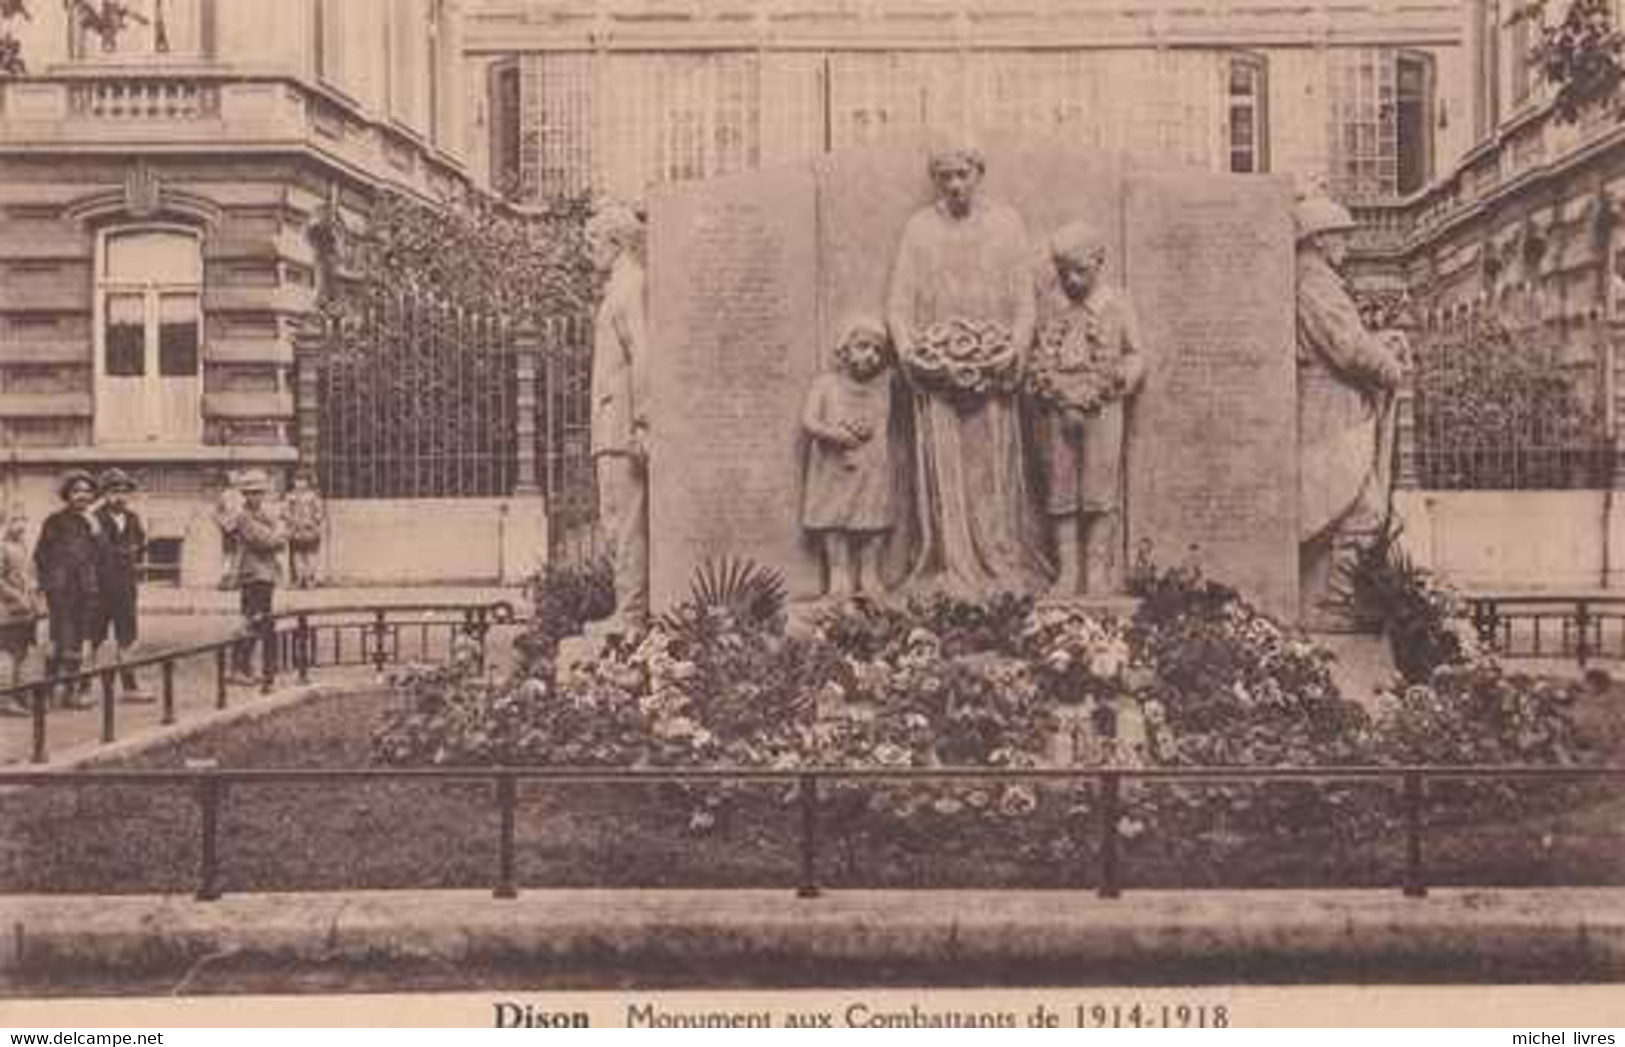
<point x="969" y="358"/>
<point x="1068" y="368"/>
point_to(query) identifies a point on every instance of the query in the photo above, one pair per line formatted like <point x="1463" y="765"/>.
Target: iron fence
<point x="212" y="785"/>
<point x="564" y="438"/>
<point x="1512" y="465"/>
<point x="418" y="398"/>
<point x="298" y="642"/>
<point x="1584" y="628"/>
<point x="290" y="642"/>
<point x="1495" y="409"/>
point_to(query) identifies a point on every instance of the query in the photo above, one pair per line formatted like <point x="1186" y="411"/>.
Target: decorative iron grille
<point x="1493" y="414"/>
<point x="418" y="399"/>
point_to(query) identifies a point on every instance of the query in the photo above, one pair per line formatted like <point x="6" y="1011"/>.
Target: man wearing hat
<point x="67" y="560"/>
<point x="1347" y="378"/>
<point x="261" y="541"/>
<point x="123" y="548"/>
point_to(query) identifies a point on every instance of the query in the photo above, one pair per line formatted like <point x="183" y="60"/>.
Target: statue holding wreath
<point x="961" y="310"/>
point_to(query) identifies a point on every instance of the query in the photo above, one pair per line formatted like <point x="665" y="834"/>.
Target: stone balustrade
<point x="142" y="99"/>
<point x="132" y="108"/>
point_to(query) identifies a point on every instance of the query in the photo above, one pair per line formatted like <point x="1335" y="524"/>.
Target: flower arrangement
<point x="967" y="358"/>
<point x="1423" y="617"/>
<point x="1197" y="676"/>
<point x="1068" y="369"/>
<point x="563" y="598"/>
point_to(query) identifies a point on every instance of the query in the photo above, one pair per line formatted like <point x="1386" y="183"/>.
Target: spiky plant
<point x="752" y="595"/>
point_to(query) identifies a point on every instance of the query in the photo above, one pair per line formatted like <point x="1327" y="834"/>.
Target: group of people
<point x="302" y="516"/>
<point x="83" y="576"/>
<point x="87" y="564"/>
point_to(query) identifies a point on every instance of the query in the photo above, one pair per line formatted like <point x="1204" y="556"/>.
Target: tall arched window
<point x="149" y="335"/>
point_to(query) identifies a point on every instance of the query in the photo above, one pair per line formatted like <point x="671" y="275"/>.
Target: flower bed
<point x="1197" y="677"/>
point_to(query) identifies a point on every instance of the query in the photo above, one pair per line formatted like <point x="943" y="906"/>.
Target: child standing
<point x="19" y="611"/>
<point x="848" y="502"/>
<point x="1086" y="367"/>
<point x="304" y="514"/>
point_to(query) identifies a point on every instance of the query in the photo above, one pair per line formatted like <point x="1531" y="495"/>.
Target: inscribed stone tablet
<point x="1213" y="466"/>
<point x="732" y="275"/>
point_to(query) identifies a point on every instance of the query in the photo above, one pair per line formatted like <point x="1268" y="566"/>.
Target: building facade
<point x="158" y="188"/>
<point x="1370" y="98"/>
<point x="1524" y="229"/>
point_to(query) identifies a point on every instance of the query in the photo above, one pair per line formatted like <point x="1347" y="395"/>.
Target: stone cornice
<point x="508" y="26"/>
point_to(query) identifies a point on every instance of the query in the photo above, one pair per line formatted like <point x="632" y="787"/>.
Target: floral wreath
<point x="1061" y="377"/>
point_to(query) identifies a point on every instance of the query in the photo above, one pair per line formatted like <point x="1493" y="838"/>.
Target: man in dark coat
<point x="124" y="547"/>
<point x="67" y="560"/>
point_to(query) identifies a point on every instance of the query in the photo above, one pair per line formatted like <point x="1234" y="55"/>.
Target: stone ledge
<point x="99" y="454"/>
<point x="750" y="937"/>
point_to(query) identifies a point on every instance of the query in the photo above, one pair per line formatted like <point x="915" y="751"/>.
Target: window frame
<point x="1429" y="67"/>
<point x="328" y="53"/>
<point x="85" y="46"/>
<point x="152" y="293"/>
<point x="504" y="116"/>
<point x="1257" y="66"/>
<point x="1366" y="146"/>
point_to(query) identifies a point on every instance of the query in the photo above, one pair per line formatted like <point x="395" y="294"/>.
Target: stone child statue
<point x="1347" y="379"/>
<point x="847" y="503"/>
<point x="620" y="404"/>
<point x="1085" y="368"/>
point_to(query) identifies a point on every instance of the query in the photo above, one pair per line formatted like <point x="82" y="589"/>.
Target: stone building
<point x="156" y="192"/>
<point x="1523" y="228"/>
<point x="1370" y="97"/>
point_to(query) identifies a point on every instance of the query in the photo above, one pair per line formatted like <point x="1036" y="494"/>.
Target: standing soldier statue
<point x="1347" y="380"/>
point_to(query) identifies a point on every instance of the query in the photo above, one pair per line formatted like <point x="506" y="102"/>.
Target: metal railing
<point x="1518" y="464"/>
<point x="211" y="785"/>
<point x="1585" y="628"/>
<point x="287" y="642"/>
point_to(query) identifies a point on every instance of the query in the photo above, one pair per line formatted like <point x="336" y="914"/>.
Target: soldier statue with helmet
<point x="1348" y="377"/>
